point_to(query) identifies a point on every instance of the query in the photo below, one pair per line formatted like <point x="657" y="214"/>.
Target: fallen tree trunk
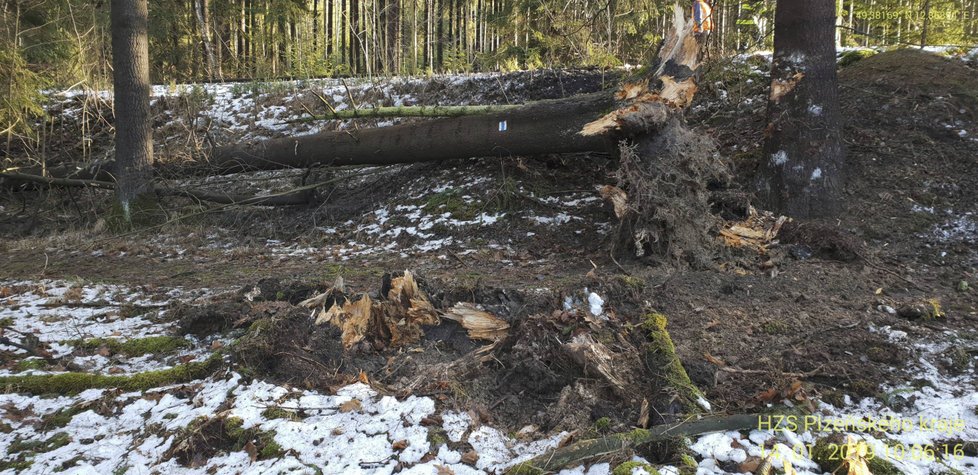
<point x="540" y="128"/>
<point x="407" y="111"/>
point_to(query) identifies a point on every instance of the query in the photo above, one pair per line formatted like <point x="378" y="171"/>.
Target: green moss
<point x="74" y="383"/>
<point x="61" y="418"/>
<point x="602" y="424"/>
<point x="451" y="201"/>
<point x="58" y="440"/>
<point x="31" y="363"/>
<point x="271" y="450"/>
<point x="17" y="465"/>
<point x="279" y="413"/>
<point x="239" y="437"/>
<point x="436" y="437"/>
<point x="134" y="347"/>
<point x="525" y="468"/>
<point x="6" y="322"/>
<point x="627" y="468"/>
<point x="632" y="281"/>
<point x="661" y="353"/>
<point x="636" y="436"/>
<point x="850" y="57"/>
<point x="5" y="428"/>
<point x="774" y="327"/>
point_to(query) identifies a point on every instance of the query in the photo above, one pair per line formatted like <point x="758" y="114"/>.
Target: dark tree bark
<point x="134" y="138"/>
<point x="802" y="171"/>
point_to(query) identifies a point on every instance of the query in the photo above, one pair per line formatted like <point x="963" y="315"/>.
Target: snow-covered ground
<point x="358" y="430"/>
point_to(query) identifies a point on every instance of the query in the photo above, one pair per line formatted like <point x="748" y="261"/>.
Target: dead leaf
<point x="362" y="377"/>
<point x="443" y="470"/>
<point x="470" y="457"/>
<point x="480" y="324"/>
<point x="643" y="415"/>
<point x="251" y="450"/>
<point x="351" y="405"/>
<point x="400" y="445"/>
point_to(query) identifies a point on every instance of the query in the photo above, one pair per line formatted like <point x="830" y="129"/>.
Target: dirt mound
<point x="910" y="134"/>
<point x="911" y="74"/>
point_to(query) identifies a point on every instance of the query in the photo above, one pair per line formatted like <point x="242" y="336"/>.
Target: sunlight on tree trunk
<point x="134" y="137"/>
<point x="802" y="168"/>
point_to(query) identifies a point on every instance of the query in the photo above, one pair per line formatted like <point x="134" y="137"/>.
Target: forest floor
<point x="835" y="319"/>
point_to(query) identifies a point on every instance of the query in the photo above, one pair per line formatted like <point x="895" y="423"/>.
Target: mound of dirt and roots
<point x="593" y="343"/>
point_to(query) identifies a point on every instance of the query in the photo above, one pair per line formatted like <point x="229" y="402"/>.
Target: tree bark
<point x="803" y="169"/>
<point x="540" y="128"/>
<point x="134" y="137"/>
<point x="202" y="14"/>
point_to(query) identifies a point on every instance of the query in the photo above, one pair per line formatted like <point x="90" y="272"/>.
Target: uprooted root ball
<point x="667" y="181"/>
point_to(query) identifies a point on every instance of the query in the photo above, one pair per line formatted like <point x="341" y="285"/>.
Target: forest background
<point x="66" y="43"/>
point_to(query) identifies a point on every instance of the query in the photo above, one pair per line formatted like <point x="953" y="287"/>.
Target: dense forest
<point x="66" y="41"/>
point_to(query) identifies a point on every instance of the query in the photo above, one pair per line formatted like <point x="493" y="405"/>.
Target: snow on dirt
<point x="358" y="430"/>
<point x="61" y="314"/>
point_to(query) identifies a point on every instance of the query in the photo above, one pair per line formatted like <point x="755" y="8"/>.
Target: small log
<point x="580" y="452"/>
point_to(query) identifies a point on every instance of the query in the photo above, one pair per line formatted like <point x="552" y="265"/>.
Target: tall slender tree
<point x="803" y="169"/>
<point x="133" y="135"/>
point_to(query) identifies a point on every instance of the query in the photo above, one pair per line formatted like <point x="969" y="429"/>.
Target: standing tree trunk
<point x="134" y="137"/>
<point x="802" y="174"/>
<point x="202" y="13"/>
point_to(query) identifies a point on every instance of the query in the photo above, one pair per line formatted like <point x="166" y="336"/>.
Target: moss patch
<point x="451" y="201"/>
<point x="852" y="56"/>
<point x="208" y="436"/>
<point x="74" y="383"/>
<point x="135" y="347"/>
<point x="27" y="449"/>
<point x="61" y="418"/>
<point x="627" y="468"/>
<point x="280" y="413"/>
<point x="31" y="363"/>
<point x="660" y="355"/>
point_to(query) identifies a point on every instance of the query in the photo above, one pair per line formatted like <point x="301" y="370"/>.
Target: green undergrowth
<point x="26" y="450"/>
<point x="74" y="383"/>
<point x="31" y="364"/>
<point x="263" y="440"/>
<point x="134" y="347"/>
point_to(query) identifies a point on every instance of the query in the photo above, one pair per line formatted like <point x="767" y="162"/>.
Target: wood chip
<point x="480" y="324"/>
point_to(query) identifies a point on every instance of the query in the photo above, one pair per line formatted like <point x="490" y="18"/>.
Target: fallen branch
<point x="290" y="198"/>
<point x="580" y="452"/>
<point x="53" y="181"/>
<point x="407" y="111"/>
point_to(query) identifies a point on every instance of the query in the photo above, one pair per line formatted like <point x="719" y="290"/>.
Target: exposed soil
<point x="746" y="326"/>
